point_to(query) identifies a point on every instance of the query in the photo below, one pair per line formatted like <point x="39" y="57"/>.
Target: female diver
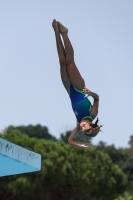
<point x="75" y="86"/>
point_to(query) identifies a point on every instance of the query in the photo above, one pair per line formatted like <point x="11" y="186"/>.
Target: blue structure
<point x="17" y="160"/>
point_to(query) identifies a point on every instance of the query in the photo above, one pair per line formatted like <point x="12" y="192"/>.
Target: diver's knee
<point x="70" y="66"/>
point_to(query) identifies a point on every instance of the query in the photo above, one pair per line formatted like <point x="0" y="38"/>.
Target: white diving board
<point x="17" y="160"/>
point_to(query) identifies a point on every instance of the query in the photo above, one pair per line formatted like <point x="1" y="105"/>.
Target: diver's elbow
<point x="71" y="141"/>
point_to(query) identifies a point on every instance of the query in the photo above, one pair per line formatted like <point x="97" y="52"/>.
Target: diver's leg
<point x="74" y="74"/>
<point x="62" y="57"/>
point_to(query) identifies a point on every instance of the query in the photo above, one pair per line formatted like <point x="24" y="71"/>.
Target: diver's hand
<point x="86" y="145"/>
<point x="87" y="92"/>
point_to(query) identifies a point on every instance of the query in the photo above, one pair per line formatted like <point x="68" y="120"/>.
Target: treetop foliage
<point x="37" y="131"/>
<point x="67" y="173"/>
<point x="131" y="141"/>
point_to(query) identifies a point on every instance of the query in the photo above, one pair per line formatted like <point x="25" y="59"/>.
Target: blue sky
<point x="31" y="89"/>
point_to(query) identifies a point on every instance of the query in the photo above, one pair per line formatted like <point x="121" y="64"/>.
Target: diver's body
<point x="75" y="86"/>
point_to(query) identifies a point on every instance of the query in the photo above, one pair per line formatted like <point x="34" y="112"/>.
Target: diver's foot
<point x="62" y="28"/>
<point x="55" y="26"/>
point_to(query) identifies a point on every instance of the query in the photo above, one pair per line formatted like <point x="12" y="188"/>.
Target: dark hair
<point x="94" y="126"/>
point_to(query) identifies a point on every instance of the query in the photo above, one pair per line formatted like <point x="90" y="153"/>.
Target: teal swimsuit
<point x="80" y="105"/>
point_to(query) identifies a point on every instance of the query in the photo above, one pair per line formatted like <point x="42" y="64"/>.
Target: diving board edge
<point x="20" y="154"/>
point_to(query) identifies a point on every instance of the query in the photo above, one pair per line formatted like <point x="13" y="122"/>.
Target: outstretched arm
<point x="72" y="140"/>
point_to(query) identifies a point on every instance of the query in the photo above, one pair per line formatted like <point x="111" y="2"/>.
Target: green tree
<point x="101" y="145"/>
<point x="127" y="167"/>
<point x="67" y="173"/>
<point x="126" y="196"/>
<point x="131" y="141"/>
<point x="37" y="131"/>
<point x="124" y="159"/>
<point x="64" y="136"/>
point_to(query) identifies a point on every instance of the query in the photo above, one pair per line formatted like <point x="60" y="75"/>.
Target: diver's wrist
<point x="94" y="95"/>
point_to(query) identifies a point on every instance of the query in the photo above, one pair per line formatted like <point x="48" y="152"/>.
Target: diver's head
<point x="90" y="129"/>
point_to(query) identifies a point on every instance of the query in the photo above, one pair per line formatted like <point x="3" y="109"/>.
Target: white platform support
<point x="17" y="160"/>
